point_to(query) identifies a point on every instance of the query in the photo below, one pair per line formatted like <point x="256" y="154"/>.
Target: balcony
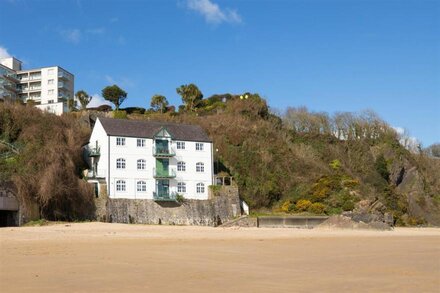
<point x="11" y="77"/>
<point x="165" y="196"/>
<point x="63" y="96"/>
<point x="35" y="77"/>
<point x="100" y="173"/>
<point x="94" y="152"/>
<point x="162" y="152"/>
<point x="62" y="75"/>
<point x="164" y="174"/>
<point x="62" y="84"/>
<point x="34" y="88"/>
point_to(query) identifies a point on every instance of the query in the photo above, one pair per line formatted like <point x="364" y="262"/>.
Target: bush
<point x="180" y="198"/>
<point x="286" y="206"/>
<point x="348" y="206"/>
<point x="317" y="208"/>
<point x="120" y="114"/>
<point x="303" y="205"/>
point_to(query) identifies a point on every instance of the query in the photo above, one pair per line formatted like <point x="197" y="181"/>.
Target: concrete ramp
<point x="290" y="221"/>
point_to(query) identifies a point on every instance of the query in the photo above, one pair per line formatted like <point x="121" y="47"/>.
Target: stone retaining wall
<point x="211" y="212"/>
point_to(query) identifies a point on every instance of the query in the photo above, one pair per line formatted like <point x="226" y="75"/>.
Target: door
<point x="163" y="187"/>
<point x="162" y="166"/>
<point x="161" y="146"/>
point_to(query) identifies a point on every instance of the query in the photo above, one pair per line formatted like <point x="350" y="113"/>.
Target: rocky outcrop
<point x="411" y="186"/>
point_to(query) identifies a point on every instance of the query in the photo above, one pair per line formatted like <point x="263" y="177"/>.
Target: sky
<point x="327" y="55"/>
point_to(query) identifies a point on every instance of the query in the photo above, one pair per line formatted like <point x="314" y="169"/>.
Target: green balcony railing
<point x="170" y="173"/>
<point x="163" y="152"/>
<point x="164" y="196"/>
<point x="94" y="152"/>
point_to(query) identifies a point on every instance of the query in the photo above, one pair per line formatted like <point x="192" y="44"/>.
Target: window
<point x="141" y="142"/>
<point x="120" y="141"/>
<point x="181" y="166"/>
<point x="180" y="145"/>
<point x="50" y="92"/>
<point x="120" y="163"/>
<point x="199" y="146"/>
<point x="50" y="81"/>
<point x="120" y="185"/>
<point x="200" y="167"/>
<point x="50" y="71"/>
<point x="200" y="188"/>
<point x="141" y="186"/>
<point x="141" y="164"/>
<point x="50" y="102"/>
<point x="181" y="187"/>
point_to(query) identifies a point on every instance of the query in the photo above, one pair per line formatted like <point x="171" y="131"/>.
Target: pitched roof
<point x="147" y="129"/>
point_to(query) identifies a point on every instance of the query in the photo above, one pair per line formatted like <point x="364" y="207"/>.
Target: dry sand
<point x="98" y="257"/>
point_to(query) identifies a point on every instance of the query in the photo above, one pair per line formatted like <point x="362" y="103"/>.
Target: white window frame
<point x="120" y="141"/>
<point x="120" y="163"/>
<point x="121" y="185"/>
<point x="199" y="146"/>
<point x="181" y="166"/>
<point x="181" y="187"/>
<point x="200" y="167"/>
<point x="180" y="145"/>
<point x="50" y="81"/>
<point x="50" y="92"/>
<point x="141" y="186"/>
<point x="141" y="142"/>
<point x="141" y="164"/>
<point x="200" y="188"/>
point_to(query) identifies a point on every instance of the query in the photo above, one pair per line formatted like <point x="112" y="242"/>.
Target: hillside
<point x="298" y="162"/>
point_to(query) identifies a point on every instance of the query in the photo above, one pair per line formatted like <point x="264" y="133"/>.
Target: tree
<point x="115" y="95"/>
<point x="191" y="96"/>
<point x="159" y="102"/>
<point x="83" y="98"/>
<point x="71" y="104"/>
<point x="434" y="150"/>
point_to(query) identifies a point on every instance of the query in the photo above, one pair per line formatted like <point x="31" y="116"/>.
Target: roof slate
<point x="147" y="129"/>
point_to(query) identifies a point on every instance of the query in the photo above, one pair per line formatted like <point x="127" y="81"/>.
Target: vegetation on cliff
<point x="292" y="162"/>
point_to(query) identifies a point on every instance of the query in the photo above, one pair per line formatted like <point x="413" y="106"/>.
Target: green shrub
<point x="303" y="205"/>
<point x="286" y="206"/>
<point x="348" y="206"/>
<point x="180" y="198"/>
<point x="119" y="114"/>
<point x="317" y="208"/>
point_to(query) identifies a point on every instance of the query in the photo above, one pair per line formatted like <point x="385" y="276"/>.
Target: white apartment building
<point x="48" y="88"/>
<point x="150" y="160"/>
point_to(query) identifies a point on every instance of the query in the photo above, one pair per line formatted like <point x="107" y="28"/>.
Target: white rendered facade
<point x="133" y="168"/>
<point x="48" y="88"/>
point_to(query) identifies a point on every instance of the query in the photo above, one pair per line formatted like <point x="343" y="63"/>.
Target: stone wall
<point x="212" y="212"/>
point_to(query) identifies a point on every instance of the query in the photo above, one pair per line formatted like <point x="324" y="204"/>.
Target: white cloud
<point x="71" y="35"/>
<point x="97" y="101"/>
<point x="4" y="53"/>
<point x="212" y="12"/>
<point x="122" y="81"/>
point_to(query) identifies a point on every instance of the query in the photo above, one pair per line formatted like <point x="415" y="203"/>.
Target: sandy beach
<point x="99" y="257"/>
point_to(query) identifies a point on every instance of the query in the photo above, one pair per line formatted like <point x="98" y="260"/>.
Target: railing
<point x="100" y="173"/>
<point x="165" y="196"/>
<point x="163" y="152"/>
<point x="61" y="74"/>
<point x="94" y="152"/>
<point x="171" y="173"/>
<point x="61" y="84"/>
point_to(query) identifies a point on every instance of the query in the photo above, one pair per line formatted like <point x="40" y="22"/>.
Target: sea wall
<point x="212" y="212"/>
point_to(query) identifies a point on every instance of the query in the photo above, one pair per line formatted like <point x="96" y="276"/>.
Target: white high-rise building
<point x="49" y="88"/>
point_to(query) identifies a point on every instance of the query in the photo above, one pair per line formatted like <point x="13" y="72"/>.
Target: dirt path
<point x="134" y="258"/>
